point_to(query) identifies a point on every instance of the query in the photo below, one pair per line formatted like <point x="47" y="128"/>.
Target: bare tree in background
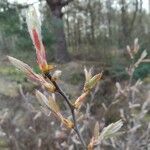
<point x="109" y="17"/>
<point x="127" y="21"/>
<point x="61" y="53"/>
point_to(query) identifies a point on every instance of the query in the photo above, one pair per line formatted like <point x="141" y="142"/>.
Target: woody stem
<point x="72" y="108"/>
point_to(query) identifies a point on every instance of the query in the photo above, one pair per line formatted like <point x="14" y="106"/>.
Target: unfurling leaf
<point x="20" y="65"/>
<point x="129" y="52"/>
<point x="34" y="27"/>
<point x="31" y="74"/>
<point x="69" y="124"/>
<point x="33" y="22"/>
<point x="91" y="144"/>
<point x="41" y="98"/>
<point x="49" y="86"/>
<point x="118" y="86"/>
<point x="88" y="74"/>
<point x="143" y="55"/>
<point x="134" y="50"/>
<point x="94" y="139"/>
<point x="111" y="130"/>
<point x="108" y="132"/>
<point x="136" y="45"/>
<point x="50" y="103"/>
<point x="53" y="105"/>
<point x="92" y="82"/>
<point x="80" y="100"/>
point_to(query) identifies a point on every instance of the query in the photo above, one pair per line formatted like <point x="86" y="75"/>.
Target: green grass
<point x="12" y="74"/>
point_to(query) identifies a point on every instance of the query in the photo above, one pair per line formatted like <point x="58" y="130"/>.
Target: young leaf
<point x="34" y="27"/>
<point x="53" y="105"/>
<point x="80" y="100"/>
<point x="143" y="55"/>
<point x="20" y="65"/>
<point x="136" y="45"/>
<point x="129" y="52"/>
<point x="69" y="124"/>
<point x="50" y="103"/>
<point x="92" y="82"/>
<point x="88" y="74"/>
<point x="41" y="98"/>
<point x="31" y="74"/>
<point x="110" y="130"/>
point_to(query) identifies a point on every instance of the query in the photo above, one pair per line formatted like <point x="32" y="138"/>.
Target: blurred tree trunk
<point x="68" y="30"/>
<point x="141" y="14"/>
<point x="109" y="18"/>
<point x="92" y="21"/>
<point x="74" y="40"/>
<point x="61" y="53"/>
<point x="79" y="32"/>
<point x="124" y="23"/>
<point x="127" y="22"/>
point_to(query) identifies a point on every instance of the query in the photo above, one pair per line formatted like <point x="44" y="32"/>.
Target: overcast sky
<point x="145" y="2"/>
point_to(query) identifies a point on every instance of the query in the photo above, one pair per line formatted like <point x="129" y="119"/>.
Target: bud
<point x="20" y="65"/>
<point x="88" y="74"/>
<point x="56" y="75"/>
<point x="136" y="46"/>
<point x="41" y="98"/>
<point x="40" y="79"/>
<point x="108" y="132"/>
<point x="69" y="124"/>
<point x="94" y="139"/>
<point x="92" y="82"/>
<point x="50" y="103"/>
<point x="129" y="52"/>
<point x="53" y="106"/>
<point x="34" y="24"/>
<point x="80" y="100"/>
<point x="143" y="55"/>
<point x="31" y="74"/>
<point x="49" y="86"/>
<point x="111" y="130"/>
<point x="91" y="145"/>
<point x="119" y="88"/>
<point x="34" y="27"/>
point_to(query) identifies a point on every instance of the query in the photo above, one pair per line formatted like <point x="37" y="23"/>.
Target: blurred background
<point x="76" y="33"/>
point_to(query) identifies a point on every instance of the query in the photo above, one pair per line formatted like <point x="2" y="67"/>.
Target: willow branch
<point x="72" y="108"/>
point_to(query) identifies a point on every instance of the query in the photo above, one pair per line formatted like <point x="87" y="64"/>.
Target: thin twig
<point x="59" y="90"/>
<point x="76" y="129"/>
<point x="131" y="80"/>
<point x="72" y="108"/>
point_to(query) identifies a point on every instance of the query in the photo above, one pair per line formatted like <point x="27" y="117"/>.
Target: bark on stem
<point x="71" y="107"/>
